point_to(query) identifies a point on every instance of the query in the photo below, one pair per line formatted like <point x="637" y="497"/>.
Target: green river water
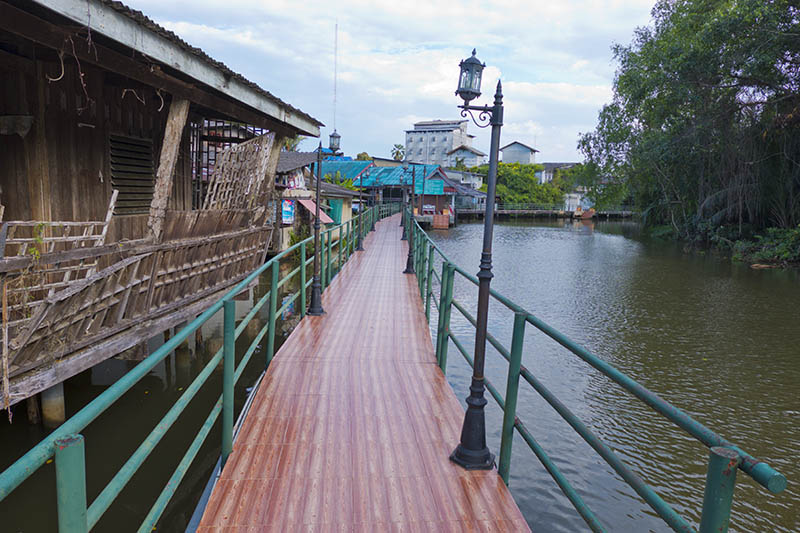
<point x="715" y="338"/>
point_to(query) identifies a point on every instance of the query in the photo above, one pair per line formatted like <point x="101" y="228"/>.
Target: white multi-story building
<point x="431" y="141"/>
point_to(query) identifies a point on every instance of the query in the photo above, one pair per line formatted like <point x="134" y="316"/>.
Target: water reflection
<point x="116" y="433"/>
<point x="713" y="337"/>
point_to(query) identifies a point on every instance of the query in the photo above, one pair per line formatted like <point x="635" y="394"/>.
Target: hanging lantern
<point x="334" y="142"/>
<point x="469" y="84"/>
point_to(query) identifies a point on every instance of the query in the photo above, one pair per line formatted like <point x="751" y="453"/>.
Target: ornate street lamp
<point x="410" y="259"/>
<point x="315" y="309"/>
<point x="472" y="452"/>
<point x="333" y="142"/>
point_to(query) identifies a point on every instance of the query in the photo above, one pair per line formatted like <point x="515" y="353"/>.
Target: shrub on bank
<point x="778" y="245"/>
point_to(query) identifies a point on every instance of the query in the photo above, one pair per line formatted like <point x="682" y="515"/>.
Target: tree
<point x="704" y="125"/>
<point x="518" y="184"/>
<point x="291" y="144"/>
<point x="460" y="164"/>
<point x="363" y="156"/>
<point x="398" y="152"/>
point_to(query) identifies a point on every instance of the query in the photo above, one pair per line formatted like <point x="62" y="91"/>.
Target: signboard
<point x="287" y="211"/>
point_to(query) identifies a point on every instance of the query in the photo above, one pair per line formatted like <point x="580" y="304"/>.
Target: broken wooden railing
<point x="82" y="319"/>
<point x="724" y="456"/>
<point x="66" y="445"/>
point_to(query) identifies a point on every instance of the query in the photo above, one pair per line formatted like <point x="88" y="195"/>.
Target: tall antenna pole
<point x="335" y="70"/>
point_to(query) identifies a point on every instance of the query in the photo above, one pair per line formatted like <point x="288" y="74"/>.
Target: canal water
<point x="715" y="338"/>
<point x="115" y="434"/>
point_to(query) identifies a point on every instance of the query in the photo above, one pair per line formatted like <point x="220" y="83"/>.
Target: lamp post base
<point x="472" y="460"/>
<point x="315" y="309"/>
<point x="472" y="452"/>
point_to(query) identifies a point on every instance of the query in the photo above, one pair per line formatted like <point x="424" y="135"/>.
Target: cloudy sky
<point x="398" y="61"/>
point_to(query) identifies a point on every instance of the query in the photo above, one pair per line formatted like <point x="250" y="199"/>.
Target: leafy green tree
<point x="363" y="156"/>
<point x="460" y="164"/>
<point x="518" y="184"/>
<point x="704" y="126"/>
<point x="398" y="152"/>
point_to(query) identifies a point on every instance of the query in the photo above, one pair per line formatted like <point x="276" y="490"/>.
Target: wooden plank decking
<point x="353" y="424"/>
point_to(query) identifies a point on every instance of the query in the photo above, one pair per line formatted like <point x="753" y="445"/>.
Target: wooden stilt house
<point x="136" y="176"/>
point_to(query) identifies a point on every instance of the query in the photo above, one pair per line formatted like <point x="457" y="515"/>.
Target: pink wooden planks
<point x="353" y="424"/>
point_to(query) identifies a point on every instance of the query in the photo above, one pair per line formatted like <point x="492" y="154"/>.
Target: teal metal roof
<point x="349" y="170"/>
<point x="397" y="177"/>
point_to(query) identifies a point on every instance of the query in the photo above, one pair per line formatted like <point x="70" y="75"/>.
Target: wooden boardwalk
<point x="353" y="424"/>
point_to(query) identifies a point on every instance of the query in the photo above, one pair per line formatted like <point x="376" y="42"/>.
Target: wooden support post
<point x="53" y="410"/>
<point x="34" y="414"/>
<point x="178" y="111"/>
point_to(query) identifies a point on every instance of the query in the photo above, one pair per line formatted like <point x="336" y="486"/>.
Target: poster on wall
<point x="287" y="211"/>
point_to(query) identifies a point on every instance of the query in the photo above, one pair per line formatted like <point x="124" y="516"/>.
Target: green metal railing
<point x="724" y="456"/>
<point x="67" y="445"/>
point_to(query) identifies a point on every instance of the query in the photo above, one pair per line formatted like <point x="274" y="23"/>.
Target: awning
<point x="312" y="208"/>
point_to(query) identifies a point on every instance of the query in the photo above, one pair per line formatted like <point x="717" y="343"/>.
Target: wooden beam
<point x="16" y="63"/>
<point x="122" y="28"/>
<point x="178" y="111"/>
<point x="30" y="27"/>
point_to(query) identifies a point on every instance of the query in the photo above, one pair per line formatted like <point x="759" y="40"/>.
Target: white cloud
<point x="397" y="62"/>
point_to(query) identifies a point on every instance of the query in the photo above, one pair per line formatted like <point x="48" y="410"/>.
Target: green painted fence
<point x="724" y="457"/>
<point x="66" y="445"/>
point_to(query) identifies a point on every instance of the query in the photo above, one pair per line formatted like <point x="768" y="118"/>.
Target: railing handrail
<point x="37" y="456"/>
<point x="760" y="471"/>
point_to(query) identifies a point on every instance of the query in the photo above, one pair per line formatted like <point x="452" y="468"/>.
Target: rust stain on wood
<point x="353" y="424"/>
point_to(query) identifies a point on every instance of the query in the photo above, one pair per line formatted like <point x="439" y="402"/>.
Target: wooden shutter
<point x="132" y="174"/>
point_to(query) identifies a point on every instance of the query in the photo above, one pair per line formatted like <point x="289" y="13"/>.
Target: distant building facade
<point x="471" y="157"/>
<point x="517" y="152"/>
<point x="550" y="170"/>
<point x="470" y="179"/>
<point x="431" y="141"/>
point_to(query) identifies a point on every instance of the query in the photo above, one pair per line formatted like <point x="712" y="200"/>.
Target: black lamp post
<point x="361" y="210"/>
<point x="315" y="309"/>
<point x="410" y="259"/>
<point x="472" y="452"/>
<point x="404" y="237"/>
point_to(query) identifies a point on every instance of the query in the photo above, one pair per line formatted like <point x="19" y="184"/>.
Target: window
<point x="419" y="152"/>
<point x="433" y="139"/>
<point x="132" y="174"/>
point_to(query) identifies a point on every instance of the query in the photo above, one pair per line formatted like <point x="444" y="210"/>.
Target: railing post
<point x="322" y="268"/>
<point x="228" y="356"/>
<point x="348" y="247"/>
<point x="422" y="268"/>
<point x="71" y="484"/>
<point x="303" y="279"/>
<point x="329" y="270"/>
<point x="339" y="250"/>
<point x="720" y="481"/>
<point x="273" y="307"/>
<point x="512" y="388"/>
<point x="428" y="282"/>
<point x="442" y="339"/>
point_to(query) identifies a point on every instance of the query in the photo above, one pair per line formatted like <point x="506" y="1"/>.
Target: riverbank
<point x="770" y="248"/>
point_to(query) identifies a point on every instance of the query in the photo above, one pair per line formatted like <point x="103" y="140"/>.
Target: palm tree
<point x="398" y="152"/>
<point x="290" y="143"/>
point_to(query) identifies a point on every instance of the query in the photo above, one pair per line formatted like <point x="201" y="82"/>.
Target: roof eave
<point x="123" y="29"/>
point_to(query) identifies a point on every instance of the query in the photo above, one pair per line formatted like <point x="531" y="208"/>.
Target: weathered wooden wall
<point x="61" y="169"/>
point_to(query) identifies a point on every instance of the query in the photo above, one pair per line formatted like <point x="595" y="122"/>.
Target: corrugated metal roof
<point x="348" y="170"/>
<point x="398" y="176"/>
